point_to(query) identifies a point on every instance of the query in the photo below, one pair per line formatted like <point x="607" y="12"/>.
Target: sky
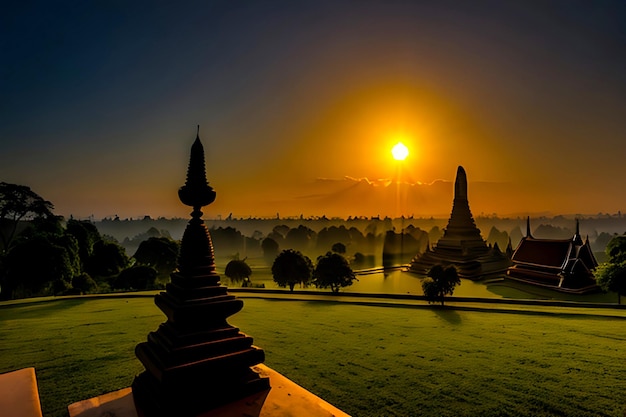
<point x="300" y="102"/>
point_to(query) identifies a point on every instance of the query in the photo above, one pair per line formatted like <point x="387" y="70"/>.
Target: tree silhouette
<point x="270" y="249"/>
<point x="136" y="278"/>
<point x="19" y="203"/>
<point x="40" y="265"/>
<point x="299" y="238"/>
<point x="160" y="253"/>
<point x="291" y="267"/>
<point x="339" y="248"/>
<point x="108" y="259"/>
<point x="332" y="270"/>
<point x="328" y="236"/>
<point x="238" y="271"/>
<point x="86" y="234"/>
<point x="83" y="284"/>
<point x="440" y="282"/>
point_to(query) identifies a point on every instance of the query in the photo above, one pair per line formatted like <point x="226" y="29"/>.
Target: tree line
<point x="291" y="268"/>
<point x="41" y="254"/>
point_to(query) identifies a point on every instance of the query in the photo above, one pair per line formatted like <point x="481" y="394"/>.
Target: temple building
<point x="564" y="265"/>
<point x="462" y="244"/>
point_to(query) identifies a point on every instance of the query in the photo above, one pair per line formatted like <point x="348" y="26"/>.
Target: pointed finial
<point x="198" y="133"/>
<point x="577" y="238"/>
<point x="528" y="235"/>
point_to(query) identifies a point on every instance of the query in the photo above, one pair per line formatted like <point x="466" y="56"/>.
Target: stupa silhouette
<point x="196" y="361"/>
<point x="462" y="244"/>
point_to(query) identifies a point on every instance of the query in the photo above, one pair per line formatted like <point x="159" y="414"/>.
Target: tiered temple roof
<point x="462" y="244"/>
<point x="562" y="264"/>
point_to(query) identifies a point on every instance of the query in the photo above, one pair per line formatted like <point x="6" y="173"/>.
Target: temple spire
<point x="196" y="192"/>
<point x="577" y="238"/>
<point x="460" y="184"/>
<point x="528" y="235"/>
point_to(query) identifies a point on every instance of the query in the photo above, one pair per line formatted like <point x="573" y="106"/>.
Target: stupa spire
<point x="196" y="192"/>
<point x="460" y="184"/>
<point x="196" y="361"/>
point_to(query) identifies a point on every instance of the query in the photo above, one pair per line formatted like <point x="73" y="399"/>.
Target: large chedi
<point x="196" y="361"/>
<point x="462" y="244"/>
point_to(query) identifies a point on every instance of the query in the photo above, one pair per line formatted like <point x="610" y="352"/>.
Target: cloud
<point x="361" y="196"/>
<point x="350" y="196"/>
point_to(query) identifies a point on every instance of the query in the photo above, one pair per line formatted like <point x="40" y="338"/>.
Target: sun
<point x="400" y="152"/>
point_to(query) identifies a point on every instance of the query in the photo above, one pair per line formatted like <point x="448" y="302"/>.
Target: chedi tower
<point x="461" y="244"/>
<point x="195" y="361"/>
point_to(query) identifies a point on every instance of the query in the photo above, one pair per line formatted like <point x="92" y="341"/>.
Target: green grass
<point x="368" y="361"/>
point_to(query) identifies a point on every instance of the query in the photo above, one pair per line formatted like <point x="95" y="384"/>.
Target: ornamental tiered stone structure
<point x="196" y="361"/>
<point x="462" y="244"/>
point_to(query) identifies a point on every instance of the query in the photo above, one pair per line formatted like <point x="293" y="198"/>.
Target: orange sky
<point x="297" y="103"/>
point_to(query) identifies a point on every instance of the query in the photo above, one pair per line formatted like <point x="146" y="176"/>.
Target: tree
<point x="270" y="249"/>
<point x="290" y="268"/>
<point x="440" y="282"/>
<point x="611" y="275"/>
<point x="108" y="259"/>
<point x="332" y="270"/>
<point x="39" y="265"/>
<point x="616" y="249"/>
<point x="83" y="284"/>
<point x="87" y="235"/>
<point x="19" y="203"/>
<point x="299" y="238"/>
<point x="42" y="260"/>
<point x="339" y="248"/>
<point x="238" y="271"/>
<point x="161" y="253"/>
<point x="136" y="278"/>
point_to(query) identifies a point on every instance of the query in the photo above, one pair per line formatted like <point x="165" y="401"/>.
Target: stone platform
<point x="19" y="396"/>
<point x="284" y="399"/>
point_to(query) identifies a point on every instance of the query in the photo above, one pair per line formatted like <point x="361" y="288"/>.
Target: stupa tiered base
<point x="196" y="361"/>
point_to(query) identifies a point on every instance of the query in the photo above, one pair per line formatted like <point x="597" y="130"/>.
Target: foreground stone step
<point x="19" y="396"/>
<point x="285" y="399"/>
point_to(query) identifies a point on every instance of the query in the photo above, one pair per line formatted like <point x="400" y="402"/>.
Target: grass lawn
<point x="368" y="361"/>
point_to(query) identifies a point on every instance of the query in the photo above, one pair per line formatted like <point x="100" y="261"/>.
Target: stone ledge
<point x="284" y="399"/>
<point x="19" y="396"/>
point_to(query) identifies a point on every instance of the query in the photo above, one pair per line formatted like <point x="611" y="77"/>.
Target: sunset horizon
<point x="300" y="106"/>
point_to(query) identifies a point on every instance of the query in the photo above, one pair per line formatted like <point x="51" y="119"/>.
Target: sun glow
<point x="400" y="152"/>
